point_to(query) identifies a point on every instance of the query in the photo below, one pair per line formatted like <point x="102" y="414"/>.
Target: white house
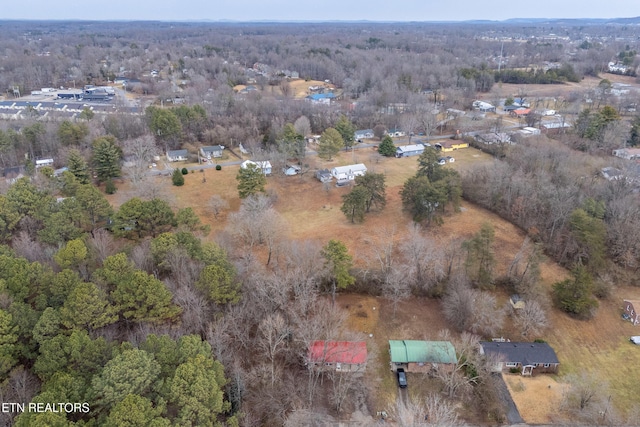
<point x="264" y="166"/>
<point x="363" y="134"/>
<point x="44" y="162"/>
<point x="349" y="172"/>
<point x="210" y="151"/>
<point x="627" y="153"/>
<point x="177" y="155"/>
<point x="485" y="107"/>
<point x="410" y="150"/>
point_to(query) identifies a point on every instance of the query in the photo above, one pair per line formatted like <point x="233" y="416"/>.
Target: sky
<point x="319" y="10"/>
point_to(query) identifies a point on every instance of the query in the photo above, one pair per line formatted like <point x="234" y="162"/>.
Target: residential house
<point x="523" y="356"/>
<point x="341" y="356"/>
<point x="627" y="153"/>
<point x="409" y="150"/>
<point x="324" y="175"/>
<point x="264" y="166"/>
<point x="359" y="135"/>
<point x="211" y="151"/>
<point x="521" y="102"/>
<point x="446" y="146"/>
<point x="612" y="174"/>
<point x="520" y="112"/>
<point x="44" y="162"/>
<point x="291" y="170"/>
<point x="631" y="307"/>
<point x="396" y="133"/>
<point x="349" y="172"/>
<point x="484" y="107"/>
<point x="321" y="98"/>
<point x="422" y="356"/>
<point x="553" y="128"/>
<point x="177" y="155"/>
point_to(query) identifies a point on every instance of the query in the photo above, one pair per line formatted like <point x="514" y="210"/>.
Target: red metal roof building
<point x="338" y="355"/>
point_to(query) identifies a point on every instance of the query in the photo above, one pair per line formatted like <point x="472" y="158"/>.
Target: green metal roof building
<point x="410" y="352"/>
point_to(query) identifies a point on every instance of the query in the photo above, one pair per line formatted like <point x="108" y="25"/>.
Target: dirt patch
<point x="299" y="88"/>
<point x="538" y="398"/>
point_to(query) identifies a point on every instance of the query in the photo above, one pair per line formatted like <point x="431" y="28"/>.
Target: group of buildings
<point x="526" y="358"/>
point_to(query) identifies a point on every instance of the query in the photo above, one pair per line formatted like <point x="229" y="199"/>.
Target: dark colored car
<point x="402" y="378"/>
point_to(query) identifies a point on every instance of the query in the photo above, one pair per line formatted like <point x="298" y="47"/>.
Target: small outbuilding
<point x="291" y="170"/>
<point x="324" y="175"/>
<point x="631" y="307"/>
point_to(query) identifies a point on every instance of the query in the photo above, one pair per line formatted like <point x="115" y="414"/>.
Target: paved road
<point x="513" y="415"/>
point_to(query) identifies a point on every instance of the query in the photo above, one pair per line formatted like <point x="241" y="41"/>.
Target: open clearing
<point x="312" y="211"/>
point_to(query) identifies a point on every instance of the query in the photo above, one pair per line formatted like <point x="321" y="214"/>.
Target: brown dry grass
<point x="538" y="398"/>
<point x="312" y="212"/>
<point x="299" y="87"/>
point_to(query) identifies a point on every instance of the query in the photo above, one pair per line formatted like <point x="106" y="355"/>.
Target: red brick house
<point x="631" y="307"/>
<point x="337" y="355"/>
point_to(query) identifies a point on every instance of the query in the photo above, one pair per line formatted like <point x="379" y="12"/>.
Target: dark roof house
<point x="524" y="356"/>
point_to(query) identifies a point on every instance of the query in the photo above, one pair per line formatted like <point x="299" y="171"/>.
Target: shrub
<point x="177" y="178"/>
<point x="110" y="187"/>
<point x="218" y="167"/>
<point x="184" y="171"/>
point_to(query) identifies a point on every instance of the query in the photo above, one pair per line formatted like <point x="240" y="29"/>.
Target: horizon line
<point x="313" y="21"/>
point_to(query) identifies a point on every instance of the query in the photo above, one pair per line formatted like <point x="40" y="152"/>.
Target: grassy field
<point x="312" y="211"/>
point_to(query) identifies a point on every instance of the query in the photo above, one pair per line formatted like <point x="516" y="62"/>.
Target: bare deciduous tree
<point x="531" y="319"/>
<point x="217" y="205"/>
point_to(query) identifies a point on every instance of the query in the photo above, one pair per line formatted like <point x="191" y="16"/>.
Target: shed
<point x="524" y="356"/>
<point x="421" y="356"/>
<point x="177" y="155"/>
<point x="337" y="355"/>
<point x="631" y="307"/>
<point x="324" y="175"/>
<point x="349" y="172"/>
<point x="410" y="150"/>
<point x="291" y="170"/>
<point x="516" y="301"/>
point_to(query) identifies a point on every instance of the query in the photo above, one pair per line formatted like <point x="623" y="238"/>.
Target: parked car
<point x="635" y="339"/>
<point x="402" y="378"/>
<point x="442" y="161"/>
<point x="450" y="159"/>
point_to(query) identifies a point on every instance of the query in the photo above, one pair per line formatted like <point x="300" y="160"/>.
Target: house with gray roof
<point x="526" y="357"/>
<point x="177" y="155"/>
<point x="210" y="151"/>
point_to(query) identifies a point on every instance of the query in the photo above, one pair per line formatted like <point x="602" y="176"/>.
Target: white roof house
<point x="349" y="172"/>
<point x="409" y="150"/>
<point x="265" y="165"/>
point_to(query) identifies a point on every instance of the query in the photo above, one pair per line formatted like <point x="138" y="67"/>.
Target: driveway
<point x="513" y="415"/>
